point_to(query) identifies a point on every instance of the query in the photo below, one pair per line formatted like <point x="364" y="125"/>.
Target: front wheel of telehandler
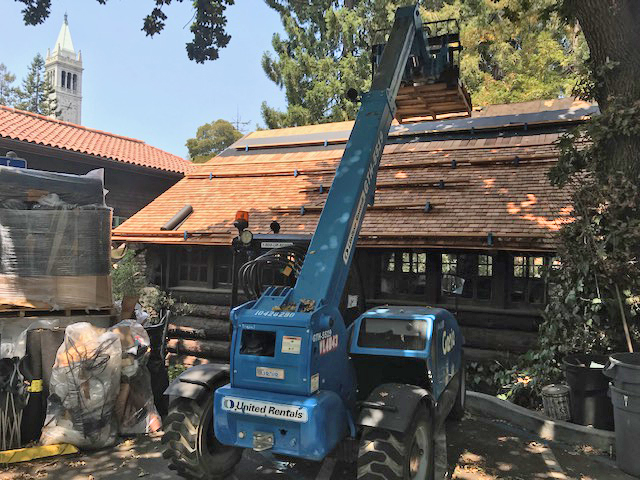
<point x="388" y="455"/>
<point x="190" y="443"/>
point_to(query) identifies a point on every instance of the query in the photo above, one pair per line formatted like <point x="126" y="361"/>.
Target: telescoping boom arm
<point x="289" y="353"/>
<point x="329" y="257"/>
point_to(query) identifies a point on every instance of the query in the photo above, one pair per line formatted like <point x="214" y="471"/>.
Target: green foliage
<point x="514" y="50"/>
<point x="211" y="139"/>
<point x="208" y="25"/>
<point x="175" y="371"/>
<point x="37" y="93"/>
<point x="599" y="253"/>
<point x="588" y="147"/>
<point x="325" y="51"/>
<point x="155" y="300"/>
<point x="126" y="278"/>
<point x="8" y="93"/>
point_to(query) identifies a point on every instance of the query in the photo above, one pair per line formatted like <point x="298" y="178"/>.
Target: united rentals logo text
<point x="265" y="409"/>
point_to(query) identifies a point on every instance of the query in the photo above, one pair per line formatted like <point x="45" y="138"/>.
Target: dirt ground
<point x="477" y="449"/>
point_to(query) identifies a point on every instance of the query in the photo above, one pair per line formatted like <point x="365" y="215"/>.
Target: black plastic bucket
<point x="590" y="402"/>
<point x="624" y="369"/>
<point x="627" y="413"/>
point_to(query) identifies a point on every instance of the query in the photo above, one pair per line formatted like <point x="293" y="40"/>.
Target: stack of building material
<point x="54" y="241"/>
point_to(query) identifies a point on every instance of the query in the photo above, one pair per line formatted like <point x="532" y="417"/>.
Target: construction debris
<point x="85" y="382"/>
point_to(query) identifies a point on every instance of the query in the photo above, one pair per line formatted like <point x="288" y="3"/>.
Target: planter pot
<point x="590" y="402"/>
<point x="128" y="307"/>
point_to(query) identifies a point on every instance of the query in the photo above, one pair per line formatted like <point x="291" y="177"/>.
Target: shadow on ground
<point x="478" y="449"/>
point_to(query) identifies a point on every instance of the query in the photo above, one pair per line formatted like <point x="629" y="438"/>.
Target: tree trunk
<point x="611" y="29"/>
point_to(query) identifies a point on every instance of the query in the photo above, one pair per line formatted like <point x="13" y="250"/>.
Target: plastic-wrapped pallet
<point x="85" y="382"/>
<point x="55" y="234"/>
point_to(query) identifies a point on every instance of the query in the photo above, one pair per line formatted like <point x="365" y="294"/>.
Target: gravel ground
<point x="477" y="449"/>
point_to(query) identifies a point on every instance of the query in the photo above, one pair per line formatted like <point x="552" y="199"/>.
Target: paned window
<point x="528" y="285"/>
<point x="194" y="267"/>
<point x="403" y="272"/>
<point x="468" y="275"/>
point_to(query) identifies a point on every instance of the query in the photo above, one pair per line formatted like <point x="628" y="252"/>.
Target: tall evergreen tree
<point x="515" y="50"/>
<point x="7" y="90"/>
<point x="325" y="51"/>
<point x="37" y="92"/>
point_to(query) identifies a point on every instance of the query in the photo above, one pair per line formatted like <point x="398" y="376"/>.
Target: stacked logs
<point x="202" y="336"/>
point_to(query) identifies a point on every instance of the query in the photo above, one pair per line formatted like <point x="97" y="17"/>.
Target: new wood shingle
<point x="496" y="184"/>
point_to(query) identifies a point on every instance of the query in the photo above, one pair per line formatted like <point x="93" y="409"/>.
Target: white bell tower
<point x="64" y="68"/>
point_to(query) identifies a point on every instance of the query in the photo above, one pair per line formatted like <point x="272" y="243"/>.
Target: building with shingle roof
<point x="464" y="216"/>
<point x="135" y="173"/>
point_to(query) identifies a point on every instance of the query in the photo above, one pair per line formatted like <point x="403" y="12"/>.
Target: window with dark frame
<point x="467" y="275"/>
<point x="528" y="283"/>
<point x="194" y="267"/>
<point x="403" y="272"/>
<point x="64" y="78"/>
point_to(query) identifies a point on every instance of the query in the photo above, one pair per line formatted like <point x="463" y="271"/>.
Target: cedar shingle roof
<point x="499" y="185"/>
<point x="33" y="128"/>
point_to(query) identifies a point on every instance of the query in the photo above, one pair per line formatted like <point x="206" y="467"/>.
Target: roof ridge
<point x="73" y="125"/>
<point x="36" y="128"/>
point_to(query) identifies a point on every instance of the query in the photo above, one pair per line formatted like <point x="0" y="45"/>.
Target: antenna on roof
<point x="238" y="123"/>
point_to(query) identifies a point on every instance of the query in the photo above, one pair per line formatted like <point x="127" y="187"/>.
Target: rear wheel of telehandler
<point x="386" y="455"/>
<point x="191" y="446"/>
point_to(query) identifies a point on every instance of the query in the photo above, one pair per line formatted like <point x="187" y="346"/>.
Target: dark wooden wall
<point x="130" y="187"/>
<point x="493" y="329"/>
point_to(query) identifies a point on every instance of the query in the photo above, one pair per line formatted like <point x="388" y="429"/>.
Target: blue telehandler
<point x="300" y="382"/>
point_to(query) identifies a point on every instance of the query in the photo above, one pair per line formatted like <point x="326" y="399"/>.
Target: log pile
<point x="203" y="336"/>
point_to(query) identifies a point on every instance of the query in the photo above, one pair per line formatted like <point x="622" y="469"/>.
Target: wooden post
<point x="433" y="277"/>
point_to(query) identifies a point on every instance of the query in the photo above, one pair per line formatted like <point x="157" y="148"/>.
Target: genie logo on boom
<point x="448" y="341"/>
<point x="265" y="409"/>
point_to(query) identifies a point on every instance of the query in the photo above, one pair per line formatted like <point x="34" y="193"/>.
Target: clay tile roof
<point x="494" y="183"/>
<point x="30" y="127"/>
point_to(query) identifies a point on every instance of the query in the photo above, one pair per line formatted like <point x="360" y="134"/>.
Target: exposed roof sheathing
<point x="33" y="128"/>
<point x="485" y="191"/>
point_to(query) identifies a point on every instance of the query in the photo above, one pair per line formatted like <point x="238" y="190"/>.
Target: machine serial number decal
<point x="271" y="313"/>
<point x="266" y="372"/>
<point x="265" y="409"/>
<point x="321" y="335"/>
<point x="275" y="244"/>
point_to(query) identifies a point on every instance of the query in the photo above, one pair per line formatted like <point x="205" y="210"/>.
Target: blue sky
<point x="147" y="88"/>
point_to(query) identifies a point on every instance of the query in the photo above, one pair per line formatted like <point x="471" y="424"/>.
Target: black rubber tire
<point x="385" y="455"/>
<point x="190" y="443"/>
<point x="457" y="411"/>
